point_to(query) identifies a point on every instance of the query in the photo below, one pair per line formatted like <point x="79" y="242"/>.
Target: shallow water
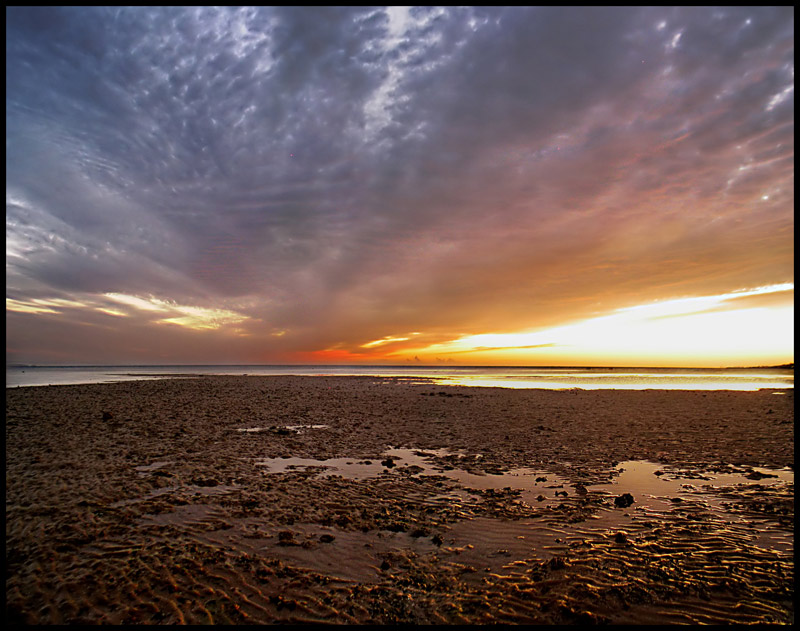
<point x="657" y="490"/>
<point x="527" y="377"/>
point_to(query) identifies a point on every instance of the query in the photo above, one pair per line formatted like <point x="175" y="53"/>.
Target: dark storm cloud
<point x="352" y="173"/>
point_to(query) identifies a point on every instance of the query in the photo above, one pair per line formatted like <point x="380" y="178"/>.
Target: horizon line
<point x="786" y="365"/>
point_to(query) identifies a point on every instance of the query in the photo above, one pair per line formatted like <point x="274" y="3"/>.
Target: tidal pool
<point x="658" y="491"/>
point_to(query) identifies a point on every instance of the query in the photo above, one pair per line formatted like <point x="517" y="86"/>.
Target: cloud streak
<point x="336" y="177"/>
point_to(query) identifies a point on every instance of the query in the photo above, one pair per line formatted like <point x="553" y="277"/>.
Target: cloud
<point x="350" y="175"/>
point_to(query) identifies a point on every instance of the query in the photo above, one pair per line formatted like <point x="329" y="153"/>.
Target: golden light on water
<point x="750" y="327"/>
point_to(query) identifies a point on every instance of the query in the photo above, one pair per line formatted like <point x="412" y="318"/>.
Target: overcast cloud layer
<point x="302" y="179"/>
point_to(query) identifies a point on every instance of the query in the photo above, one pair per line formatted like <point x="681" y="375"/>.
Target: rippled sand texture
<point x="166" y="512"/>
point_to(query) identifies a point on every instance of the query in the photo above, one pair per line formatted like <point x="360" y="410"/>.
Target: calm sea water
<point x="505" y="377"/>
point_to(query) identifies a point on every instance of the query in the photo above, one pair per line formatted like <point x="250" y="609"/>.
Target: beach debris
<point x="580" y="489"/>
<point x="624" y="500"/>
<point x="389" y="462"/>
<point x="107" y="416"/>
<point x="437" y="539"/>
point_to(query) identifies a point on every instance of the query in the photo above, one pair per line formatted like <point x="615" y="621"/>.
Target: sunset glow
<point x="702" y="331"/>
<point x="400" y="185"/>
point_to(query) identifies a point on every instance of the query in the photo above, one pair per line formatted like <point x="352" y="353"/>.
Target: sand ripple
<point x="163" y="514"/>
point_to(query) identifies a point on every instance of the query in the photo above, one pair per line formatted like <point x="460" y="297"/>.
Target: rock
<point x="107" y="416"/>
<point x="621" y="537"/>
<point x="326" y="538"/>
<point x="624" y="500"/>
<point x="757" y="475"/>
<point x="388" y="462"/>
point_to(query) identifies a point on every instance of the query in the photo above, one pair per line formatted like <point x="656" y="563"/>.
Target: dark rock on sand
<point x="624" y="500"/>
<point x="757" y="475"/>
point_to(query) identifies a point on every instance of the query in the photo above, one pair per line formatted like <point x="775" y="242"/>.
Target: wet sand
<point x="238" y="500"/>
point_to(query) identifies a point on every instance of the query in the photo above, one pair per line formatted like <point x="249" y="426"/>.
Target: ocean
<point x="550" y="378"/>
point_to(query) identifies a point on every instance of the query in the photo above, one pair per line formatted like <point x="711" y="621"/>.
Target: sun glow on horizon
<point x="723" y="329"/>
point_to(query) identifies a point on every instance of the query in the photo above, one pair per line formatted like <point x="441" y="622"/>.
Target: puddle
<point x="657" y="490"/>
<point x="291" y="428"/>
<point x="358" y="469"/>
<point x="658" y="487"/>
<point x="652" y="484"/>
<point x="418" y="462"/>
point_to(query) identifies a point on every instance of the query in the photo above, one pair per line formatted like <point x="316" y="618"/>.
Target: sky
<point x="469" y="185"/>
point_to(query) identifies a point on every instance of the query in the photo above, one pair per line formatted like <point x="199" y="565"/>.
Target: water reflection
<point x="657" y="491"/>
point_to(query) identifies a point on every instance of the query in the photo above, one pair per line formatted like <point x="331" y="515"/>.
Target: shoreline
<point x="163" y="514"/>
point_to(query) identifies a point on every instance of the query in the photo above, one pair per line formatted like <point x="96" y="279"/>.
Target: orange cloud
<point x="332" y="356"/>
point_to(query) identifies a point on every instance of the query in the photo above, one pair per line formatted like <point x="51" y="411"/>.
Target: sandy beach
<point x="258" y="500"/>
